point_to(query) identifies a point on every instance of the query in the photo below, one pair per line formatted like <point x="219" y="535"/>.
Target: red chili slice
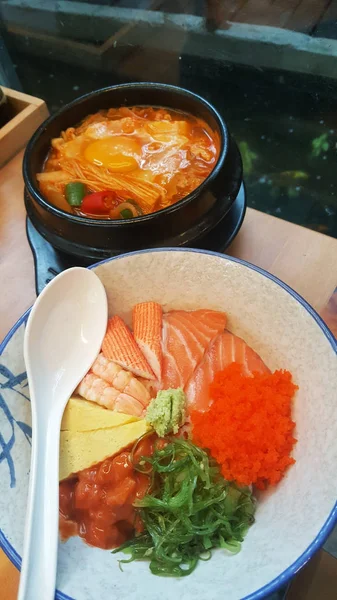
<point x="99" y="203"/>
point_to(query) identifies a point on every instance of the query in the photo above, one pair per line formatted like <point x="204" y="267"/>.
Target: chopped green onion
<point x="190" y="511"/>
<point x="135" y="205"/>
<point x="126" y="213"/>
<point x="75" y="192"/>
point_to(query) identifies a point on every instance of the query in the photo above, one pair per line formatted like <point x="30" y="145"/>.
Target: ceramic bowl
<point x="181" y="224"/>
<point x="292" y="520"/>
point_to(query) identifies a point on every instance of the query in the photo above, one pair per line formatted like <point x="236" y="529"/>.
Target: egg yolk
<point x="118" y="153"/>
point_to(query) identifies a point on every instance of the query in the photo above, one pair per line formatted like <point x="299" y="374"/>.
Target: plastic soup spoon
<point x="63" y="336"/>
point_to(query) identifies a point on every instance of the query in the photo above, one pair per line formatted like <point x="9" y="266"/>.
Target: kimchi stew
<point x="125" y="162"/>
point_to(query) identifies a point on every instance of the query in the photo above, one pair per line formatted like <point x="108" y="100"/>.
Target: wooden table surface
<point x="304" y="259"/>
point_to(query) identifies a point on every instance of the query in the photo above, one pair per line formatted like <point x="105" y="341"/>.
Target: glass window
<point x="269" y="66"/>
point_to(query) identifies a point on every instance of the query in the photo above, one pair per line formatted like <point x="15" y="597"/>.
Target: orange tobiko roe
<point x="248" y="428"/>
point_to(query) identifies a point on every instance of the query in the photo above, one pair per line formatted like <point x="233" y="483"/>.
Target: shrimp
<point x="97" y="390"/>
<point x="151" y="386"/>
<point x="123" y="381"/>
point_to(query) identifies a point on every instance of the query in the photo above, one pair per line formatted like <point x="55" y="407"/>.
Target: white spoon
<point x="63" y="336"/>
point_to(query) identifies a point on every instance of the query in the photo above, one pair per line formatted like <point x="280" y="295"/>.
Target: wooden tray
<point x="29" y="113"/>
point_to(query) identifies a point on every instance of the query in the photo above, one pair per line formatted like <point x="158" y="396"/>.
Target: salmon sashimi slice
<point x="120" y="346"/>
<point x="186" y="335"/>
<point x="223" y="350"/>
<point x="97" y="390"/>
<point x="147" y="324"/>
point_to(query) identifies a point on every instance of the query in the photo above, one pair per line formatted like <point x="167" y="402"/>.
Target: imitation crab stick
<point x="120" y="346"/>
<point x="147" y="322"/>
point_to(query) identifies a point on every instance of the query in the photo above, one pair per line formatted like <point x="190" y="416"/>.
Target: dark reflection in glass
<point x="269" y="66"/>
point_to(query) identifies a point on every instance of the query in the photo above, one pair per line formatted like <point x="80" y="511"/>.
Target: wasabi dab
<point x="166" y="413"/>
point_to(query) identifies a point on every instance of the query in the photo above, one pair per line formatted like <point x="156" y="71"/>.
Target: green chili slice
<point x="75" y="192"/>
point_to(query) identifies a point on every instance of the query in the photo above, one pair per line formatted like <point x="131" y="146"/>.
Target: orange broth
<point x="146" y="158"/>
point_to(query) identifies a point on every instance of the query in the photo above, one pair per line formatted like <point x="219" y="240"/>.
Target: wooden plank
<point x="306" y="15"/>
<point x="253" y="12"/>
<point x="299" y="15"/>
<point x="327" y="25"/>
<point x="219" y="13"/>
<point x="23" y="98"/>
<point x="274" y="13"/>
<point x="30" y="113"/>
<point x="280" y="12"/>
<point x="242" y="43"/>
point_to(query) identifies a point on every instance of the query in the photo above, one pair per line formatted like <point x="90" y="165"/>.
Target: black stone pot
<point x="178" y="225"/>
